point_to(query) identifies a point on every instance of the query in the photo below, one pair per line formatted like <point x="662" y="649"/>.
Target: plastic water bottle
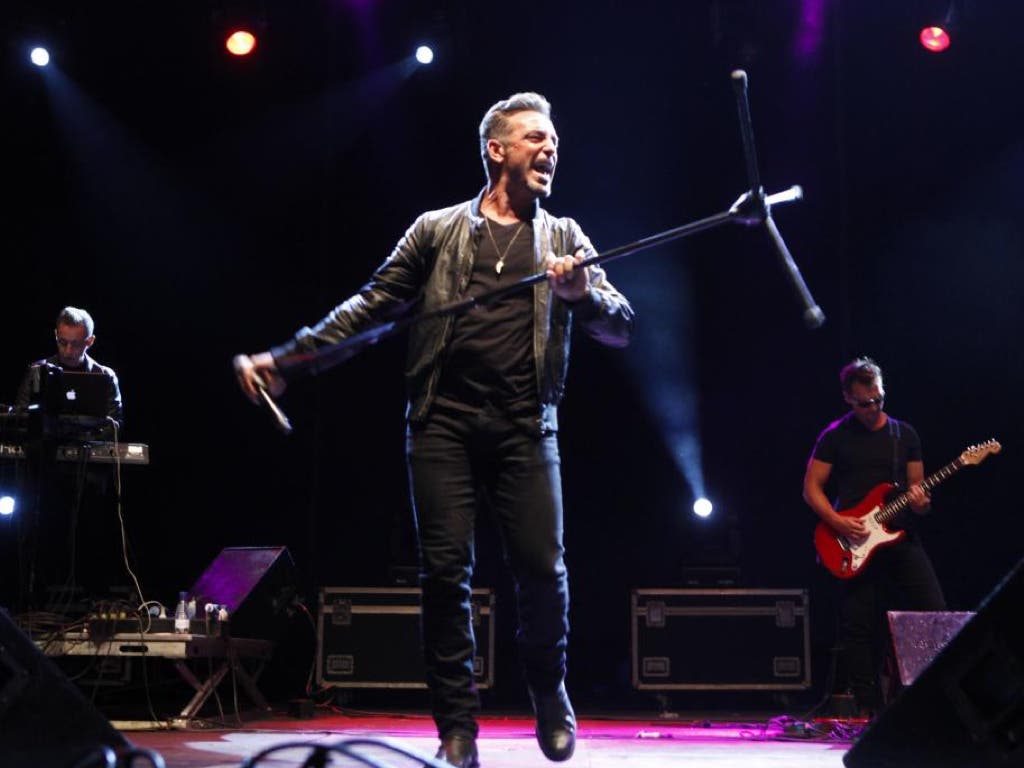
<point x="223" y="629"/>
<point x="181" y="623"/>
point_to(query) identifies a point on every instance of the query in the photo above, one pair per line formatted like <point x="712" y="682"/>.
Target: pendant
<point x="498" y="266"/>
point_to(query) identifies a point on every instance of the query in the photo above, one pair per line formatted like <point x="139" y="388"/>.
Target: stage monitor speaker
<point x="918" y="636"/>
<point x="257" y="584"/>
<point x="45" y="720"/>
<point x="965" y="709"/>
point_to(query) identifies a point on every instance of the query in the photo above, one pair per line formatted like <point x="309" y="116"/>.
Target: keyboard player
<point x="68" y="539"/>
<point x="74" y="335"/>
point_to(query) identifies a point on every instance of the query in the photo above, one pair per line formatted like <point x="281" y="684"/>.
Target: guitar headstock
<point x="976" y="454"/>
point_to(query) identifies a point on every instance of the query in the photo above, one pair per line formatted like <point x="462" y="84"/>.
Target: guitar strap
<point x="894" y="433"/>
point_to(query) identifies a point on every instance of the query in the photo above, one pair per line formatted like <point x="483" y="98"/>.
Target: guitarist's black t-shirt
<point x="862" y="458"/>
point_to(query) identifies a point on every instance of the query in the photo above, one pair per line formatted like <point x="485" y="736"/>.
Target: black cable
<point x="126" y="758"/>
<point x="71" y="580"/>
<point x="320" y="754"/>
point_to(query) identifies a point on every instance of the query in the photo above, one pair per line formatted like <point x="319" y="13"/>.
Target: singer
<point x="484" y="389"/>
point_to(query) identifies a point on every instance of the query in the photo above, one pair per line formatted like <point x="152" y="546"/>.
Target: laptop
<point x="77" y="397"/>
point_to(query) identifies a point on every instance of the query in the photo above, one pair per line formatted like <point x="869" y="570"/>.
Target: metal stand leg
<point x="203" y="690"/>
<point x="233" y="663"/>
<point x="248" y="682"/>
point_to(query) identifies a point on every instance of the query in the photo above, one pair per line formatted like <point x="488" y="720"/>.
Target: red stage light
<point x="935" y="39"/>
<point x="240" y="42"/>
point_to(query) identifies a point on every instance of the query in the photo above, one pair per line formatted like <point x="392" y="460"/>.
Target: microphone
<point x="282" y="422"/>
<point x="280" y="419"/>
<point x="796" y="192"/>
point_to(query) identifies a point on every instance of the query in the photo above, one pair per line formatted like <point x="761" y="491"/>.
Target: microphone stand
<point x="752" y="208"/>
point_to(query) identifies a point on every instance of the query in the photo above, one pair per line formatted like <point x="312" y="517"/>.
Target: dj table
<point x="229" y="652"/>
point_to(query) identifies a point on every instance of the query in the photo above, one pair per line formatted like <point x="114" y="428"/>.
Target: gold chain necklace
<point x="501" y="259"/>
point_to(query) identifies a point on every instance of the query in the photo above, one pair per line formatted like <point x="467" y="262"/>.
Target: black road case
<point x="369" y="637"/>
<point x="720" y="639"/>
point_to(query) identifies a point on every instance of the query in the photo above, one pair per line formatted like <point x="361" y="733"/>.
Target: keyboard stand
<point x="231" y="662"/>
<point x="230" y="652"/>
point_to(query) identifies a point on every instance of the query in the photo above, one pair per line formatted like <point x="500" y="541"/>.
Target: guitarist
<point x="853" y="455"/>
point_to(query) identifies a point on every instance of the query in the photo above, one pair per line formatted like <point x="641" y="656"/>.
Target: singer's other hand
<point x="568" y="282"/>
<point x="255" y="371"/>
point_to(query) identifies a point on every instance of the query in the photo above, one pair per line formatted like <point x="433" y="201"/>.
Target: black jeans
<point x="455" y="460"/>
<point x="900" y="577"/>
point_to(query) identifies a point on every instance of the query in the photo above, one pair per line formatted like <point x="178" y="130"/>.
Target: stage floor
<point x="508" y="742"/>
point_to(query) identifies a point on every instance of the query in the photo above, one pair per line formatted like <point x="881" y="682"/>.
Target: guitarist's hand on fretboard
<point x="919" y="499"/>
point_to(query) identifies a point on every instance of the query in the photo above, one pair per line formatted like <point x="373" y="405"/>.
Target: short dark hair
<point x="496" y="124"/>
<point x="76" y="317"/>
<point x="863" y="370"/>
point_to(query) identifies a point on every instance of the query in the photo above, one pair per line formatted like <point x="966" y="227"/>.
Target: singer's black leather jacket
<point x="430" y="267"/>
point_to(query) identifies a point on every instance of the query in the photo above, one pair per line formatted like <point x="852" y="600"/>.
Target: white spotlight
<point x="424" y="54"/>
<point x="6" y="506"/>
<point x="40" y="57"/>
<point x="702" y="507"/>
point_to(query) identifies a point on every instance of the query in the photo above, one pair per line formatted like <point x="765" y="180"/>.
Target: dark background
<point x="201" y="207"/>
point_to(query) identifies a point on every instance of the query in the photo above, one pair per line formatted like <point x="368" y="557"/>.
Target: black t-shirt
<point x="489" y="360"/>
<point x="863" y="458"/>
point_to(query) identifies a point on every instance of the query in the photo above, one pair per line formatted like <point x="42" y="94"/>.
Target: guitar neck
<point x="897" y="505"/>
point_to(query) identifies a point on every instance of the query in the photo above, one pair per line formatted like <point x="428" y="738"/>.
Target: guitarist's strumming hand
<point x="852" y="527"/>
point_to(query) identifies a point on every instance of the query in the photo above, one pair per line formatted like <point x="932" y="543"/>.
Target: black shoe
<point x="458" y="750"/>
<point x="556" y="724"/>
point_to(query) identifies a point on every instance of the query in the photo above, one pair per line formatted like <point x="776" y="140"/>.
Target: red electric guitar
<point x="845" y="556"/>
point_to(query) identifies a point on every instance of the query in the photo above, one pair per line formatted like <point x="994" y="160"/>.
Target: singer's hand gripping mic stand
<point x="751" y="209"/>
